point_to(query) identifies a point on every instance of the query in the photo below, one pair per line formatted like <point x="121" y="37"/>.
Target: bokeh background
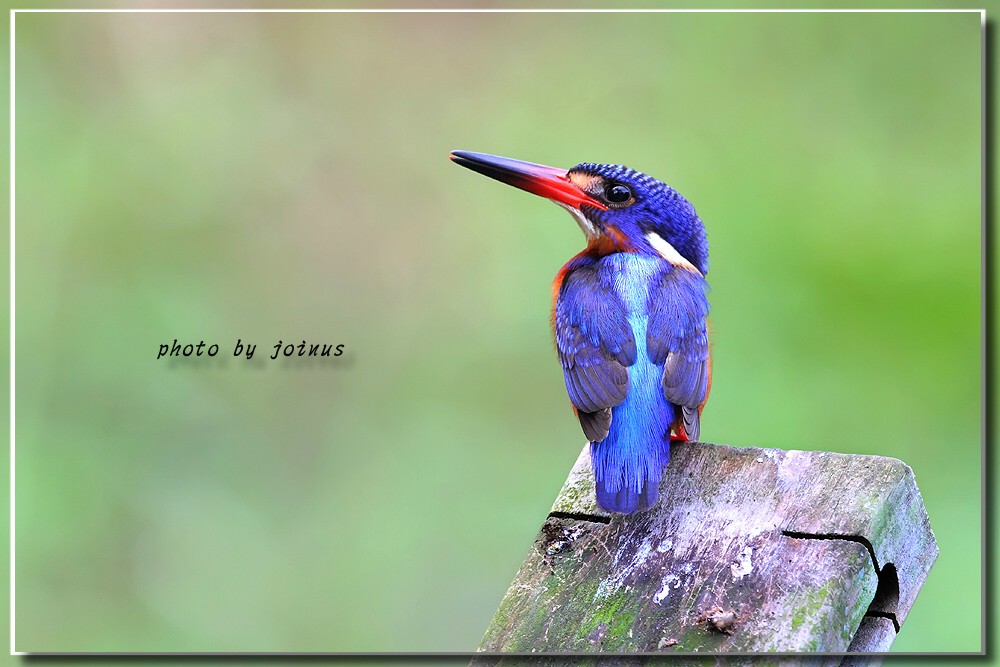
<point x="265" y="177"/>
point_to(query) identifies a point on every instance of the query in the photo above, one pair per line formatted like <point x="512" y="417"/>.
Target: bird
<point x="629" y="317"/>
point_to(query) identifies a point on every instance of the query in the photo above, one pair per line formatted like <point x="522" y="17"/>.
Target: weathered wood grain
<point x="748" y="550"/>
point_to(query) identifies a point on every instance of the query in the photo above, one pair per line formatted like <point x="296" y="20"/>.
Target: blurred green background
<point x="284" y="176"/>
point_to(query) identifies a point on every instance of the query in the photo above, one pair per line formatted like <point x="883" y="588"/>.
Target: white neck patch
<point x="669" y="253"/>
<point x="589" y="230"/>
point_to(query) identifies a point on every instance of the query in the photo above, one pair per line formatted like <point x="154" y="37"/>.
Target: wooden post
<point x="747" y="550"/>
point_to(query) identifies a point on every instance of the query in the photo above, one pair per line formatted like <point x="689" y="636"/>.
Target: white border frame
<point x="983" y="285"/>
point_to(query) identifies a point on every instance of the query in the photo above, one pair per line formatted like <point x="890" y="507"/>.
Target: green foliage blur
<point x="266" y="177"/>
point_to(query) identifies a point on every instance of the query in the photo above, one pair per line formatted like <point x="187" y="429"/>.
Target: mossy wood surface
<point x="748" y="550"/>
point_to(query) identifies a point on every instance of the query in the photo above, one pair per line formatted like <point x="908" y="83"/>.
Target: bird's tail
<point x="628" y="477"/>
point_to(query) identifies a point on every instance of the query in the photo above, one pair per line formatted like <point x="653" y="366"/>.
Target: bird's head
<point x="616" y="207"/>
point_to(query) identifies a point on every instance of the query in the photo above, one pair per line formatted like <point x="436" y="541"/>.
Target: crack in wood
<point x="885" y="614"/>
<point x="887" y="593"/>
<point x="837" y="536"/>
<point x="580" y="516"/>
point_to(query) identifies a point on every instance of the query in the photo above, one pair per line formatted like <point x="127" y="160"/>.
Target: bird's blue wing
<point x="595" y="345"/>
<point x="677" y="337"/>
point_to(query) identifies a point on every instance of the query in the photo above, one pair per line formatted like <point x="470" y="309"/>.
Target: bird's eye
<point x="617" y="193"/>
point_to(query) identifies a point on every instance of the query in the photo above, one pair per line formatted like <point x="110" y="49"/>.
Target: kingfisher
<point x="629" y="317"/>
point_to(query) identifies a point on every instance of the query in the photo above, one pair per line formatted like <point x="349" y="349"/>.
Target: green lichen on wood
<point x="617" y="614"/>
<point x="698" y="639"/>
<point x="809" y="605"/>
<point x="577" y="493"/>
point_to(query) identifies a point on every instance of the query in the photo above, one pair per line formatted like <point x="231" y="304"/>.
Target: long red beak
<point x="548" y="182"/>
